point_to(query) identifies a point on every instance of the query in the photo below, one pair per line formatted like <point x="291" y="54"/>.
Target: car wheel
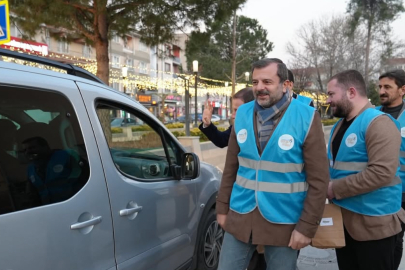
<point x="210" y="243"/>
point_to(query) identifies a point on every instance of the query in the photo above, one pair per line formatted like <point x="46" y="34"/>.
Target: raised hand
<point x="207" y="113"/>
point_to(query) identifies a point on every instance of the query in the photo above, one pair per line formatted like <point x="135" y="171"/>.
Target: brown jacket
<point x="244" y="226"/>
<point x="383" y="142"/>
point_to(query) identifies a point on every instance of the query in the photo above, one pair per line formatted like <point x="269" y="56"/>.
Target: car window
<point x="43" y="157"/>
<point x="143" y="152"/>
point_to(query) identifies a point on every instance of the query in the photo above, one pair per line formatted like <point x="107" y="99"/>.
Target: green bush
<point x="179" y="133"/>
<point x="197" y="132"/>
<point x="175" y="125"/>
<point x="116" y="130"/>
<point x="141" y="128"/>
<point x="329" y="122"/>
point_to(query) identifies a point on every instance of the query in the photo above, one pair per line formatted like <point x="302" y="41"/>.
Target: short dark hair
<point x="290" y="76"/>
<point x="282" y="72"/>
<point x="351" y="78"/>
<point x="398" y="75"/>
<point x="246" y="94"/>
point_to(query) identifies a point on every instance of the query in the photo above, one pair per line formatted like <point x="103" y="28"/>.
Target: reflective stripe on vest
<point x="271" y="166"/>
<point x="349" y="166"/>
<point x="274" y="181"/>
<point x="351" y="159"/>
<point x="272" y="187"/>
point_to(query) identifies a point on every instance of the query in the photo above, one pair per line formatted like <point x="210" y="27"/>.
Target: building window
<point x="87" y="51"/>
<point x="115" y="85"/>
<point x="115" y="61"/>
<point x="143" y="68"/>
<point x="63" y="46"/>
<point x="15" y="31"/>
<point x="167" y="67"/>
<point x="127" y="43"/>
<point x="116" y="38"/>
<point x="129" y="62"/>
<point x="143" y="47"/>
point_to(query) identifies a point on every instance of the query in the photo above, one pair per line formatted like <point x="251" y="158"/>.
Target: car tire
<point x="210" y="243"/>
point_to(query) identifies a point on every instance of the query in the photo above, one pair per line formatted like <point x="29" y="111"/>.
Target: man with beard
<point x="273" y="186"/>
<point x="392" y="89"/>
<point x="363" y="157"/>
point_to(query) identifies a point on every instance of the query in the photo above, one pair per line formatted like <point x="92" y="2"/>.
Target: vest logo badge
<point x="403" y="132"/>
<point x="242" y="136"/>
<point x="351" y="140"/>
<point x="58" y="168"/>
<point x="286" y="142"/>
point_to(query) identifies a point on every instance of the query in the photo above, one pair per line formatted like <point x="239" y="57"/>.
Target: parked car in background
<point x="182" y="119"/>
<point x="215" y="118"/>
<point x="107" y="200"/>
<point x="125" y="122"/>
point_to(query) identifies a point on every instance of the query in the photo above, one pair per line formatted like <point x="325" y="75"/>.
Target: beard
<point x="273" y="98"/>
<point x="389" y="99"/>
<point x="342" y="108"/>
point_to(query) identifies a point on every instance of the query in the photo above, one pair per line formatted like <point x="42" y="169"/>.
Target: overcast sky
<point x="283" y="18"/>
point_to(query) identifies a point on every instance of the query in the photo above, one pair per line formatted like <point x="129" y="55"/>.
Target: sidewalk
<point x="324" y="259"/>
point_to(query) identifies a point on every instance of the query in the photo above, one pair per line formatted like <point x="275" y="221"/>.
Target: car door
<point x="155" y="216"/>
<point x="54" y="208"/>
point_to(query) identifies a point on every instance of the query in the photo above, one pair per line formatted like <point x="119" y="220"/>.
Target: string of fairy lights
<point x="139" y="78"/>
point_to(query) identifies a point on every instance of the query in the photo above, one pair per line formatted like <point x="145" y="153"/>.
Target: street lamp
<point x="247" y="78"/>
<point x="195" y="70"/>
<point x="124" y="71"/>
<point x="226" y="102"/>
<point x="187" y="105"/>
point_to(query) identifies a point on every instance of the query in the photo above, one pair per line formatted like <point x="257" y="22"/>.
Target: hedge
<point x="116" y="130"/>
<point x="329" y="122"/>
<point x="175" y="125"/>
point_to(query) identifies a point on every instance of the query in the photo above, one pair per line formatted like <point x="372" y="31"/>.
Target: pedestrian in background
<point x="275" y="178"/>
<point x="363" y="155"/>
<point x="221" y="138"/>
<point x="392" y="90"/>
<point x="303" y="99"/>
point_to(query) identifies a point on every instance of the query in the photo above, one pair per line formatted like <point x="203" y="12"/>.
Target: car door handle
<point x="90" y="222"/>
<point x="130" y="211"/>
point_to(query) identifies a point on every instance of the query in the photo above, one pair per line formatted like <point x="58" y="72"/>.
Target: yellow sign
<point x="4" y="22"/>
<point x="144" y="98"/>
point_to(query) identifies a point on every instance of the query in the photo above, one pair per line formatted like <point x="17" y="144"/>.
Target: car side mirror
<point x="190" y="166"/>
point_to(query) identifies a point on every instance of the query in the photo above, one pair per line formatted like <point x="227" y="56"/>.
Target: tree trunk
<point x="368" y="46"/>
<point x="233" y="55"/>
<point x="101" y="46"/>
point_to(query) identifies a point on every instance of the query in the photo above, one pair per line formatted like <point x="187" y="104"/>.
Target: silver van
<point x="76" y="193"/>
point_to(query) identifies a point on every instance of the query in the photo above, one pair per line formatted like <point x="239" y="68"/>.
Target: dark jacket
<point x="219" y="138"/>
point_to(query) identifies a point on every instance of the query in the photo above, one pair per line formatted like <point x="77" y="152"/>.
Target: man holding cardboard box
<point x="363" y="154"/>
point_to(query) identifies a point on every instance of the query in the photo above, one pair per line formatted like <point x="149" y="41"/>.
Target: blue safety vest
<point x="275" y="182"/>
<point x="61" y="176"/>
<point x="351" y="159"/>
<point x="304" y="99"/>
<point x="401" y="173"/>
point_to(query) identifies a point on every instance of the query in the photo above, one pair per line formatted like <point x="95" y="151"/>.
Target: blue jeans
<point x="236" y="255"/>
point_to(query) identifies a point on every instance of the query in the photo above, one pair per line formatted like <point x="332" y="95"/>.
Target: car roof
<point x="37" y="70"/>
